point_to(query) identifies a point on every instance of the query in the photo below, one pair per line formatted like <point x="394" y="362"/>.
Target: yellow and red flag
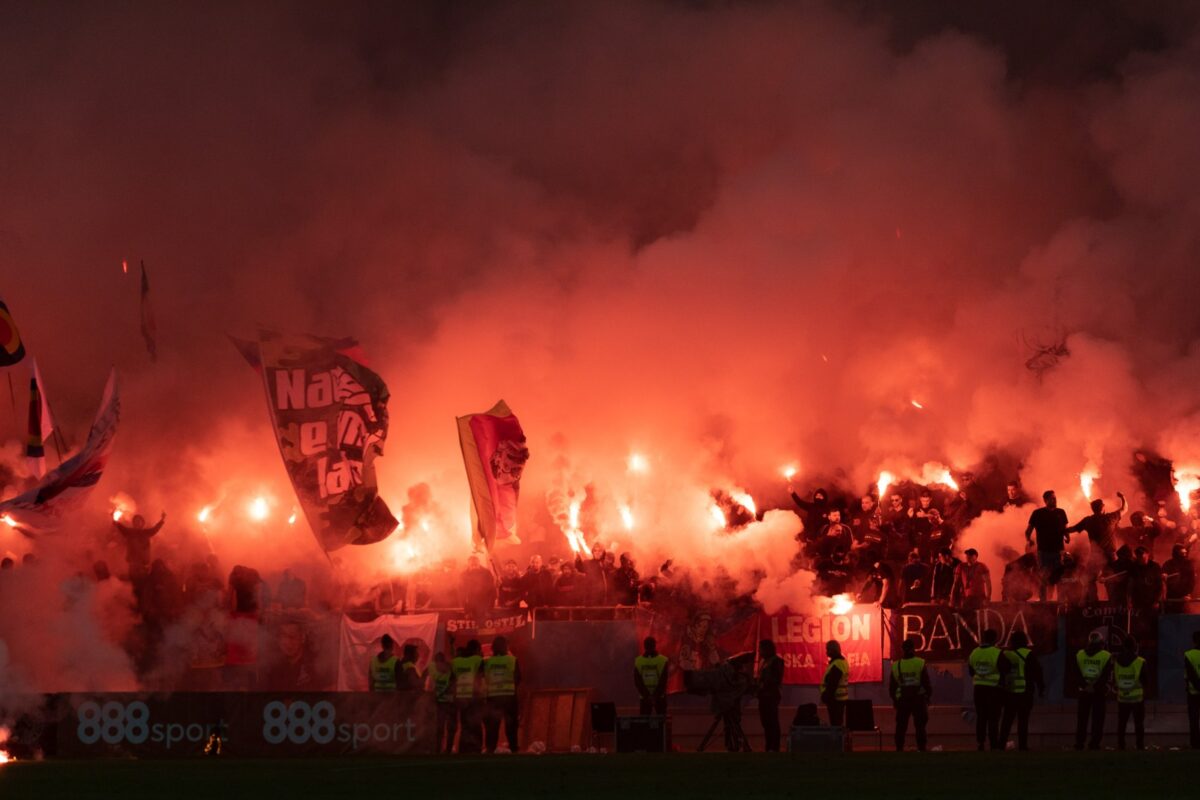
<point x="495" y="453"/>
<point x="12" y="349"/>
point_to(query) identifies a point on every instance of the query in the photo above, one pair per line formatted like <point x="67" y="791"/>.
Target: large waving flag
<point x="41" y="424"/>
<point x="12" y="349"/>
<point x="495" y="453"/>
<point x="64" y="490"/>
<point x="331" y="419"/>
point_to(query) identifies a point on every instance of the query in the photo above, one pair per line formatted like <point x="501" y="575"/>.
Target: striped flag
<point x="11" y="348"/>
<point x="494" y="453"/>
<point x="149" y="331"/>
<point x="41" y="424"/>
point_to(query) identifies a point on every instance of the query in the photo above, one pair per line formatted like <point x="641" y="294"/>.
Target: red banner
<point x="801" y="638"/>
<point x="494" y="452"/>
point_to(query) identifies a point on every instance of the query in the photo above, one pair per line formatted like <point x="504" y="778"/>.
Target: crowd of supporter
<point x="905" y="549"/>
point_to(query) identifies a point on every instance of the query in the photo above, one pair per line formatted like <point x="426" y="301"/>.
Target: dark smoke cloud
<point x="731" y="236"/>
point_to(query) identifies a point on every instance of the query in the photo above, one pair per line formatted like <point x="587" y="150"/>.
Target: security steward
<point x="441" y="683"/>
<point x="1021" y="676"/>
<point x="911" y="691"/>
<point x="501" y="675"/>
<point x="1131" y="694"/>
<point x="770" y="692"/>
<point x="984" y="665"/>
<point x="835" y="686"/>
<point x="468" y="696"/>
<point x="650" y="678"/>
<point x="1093" y="667"/>
<point x="1191" y="675"/>
<point x="381" y="672"/>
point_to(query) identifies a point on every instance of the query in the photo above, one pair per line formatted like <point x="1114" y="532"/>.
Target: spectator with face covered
<point x="1117" y="576"/>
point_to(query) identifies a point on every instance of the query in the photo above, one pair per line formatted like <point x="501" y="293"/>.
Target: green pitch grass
<point x="887" y="776"/>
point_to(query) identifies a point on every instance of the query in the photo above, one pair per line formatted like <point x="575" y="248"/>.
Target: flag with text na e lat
<point x="12" y="349"/>
<point x="330" y="417"/>
<point x="41" y="425"/>
<point x="494" y="453"/>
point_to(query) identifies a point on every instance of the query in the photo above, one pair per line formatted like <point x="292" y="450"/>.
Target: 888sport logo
<point x="298" y="722"/>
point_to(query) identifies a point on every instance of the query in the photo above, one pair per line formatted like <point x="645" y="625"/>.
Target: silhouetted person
<point x="770" y="691"/>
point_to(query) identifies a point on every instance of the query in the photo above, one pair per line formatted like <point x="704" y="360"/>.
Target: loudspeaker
<point x="806" y="716"/>
<point x="643" y="734"/>
<point x="604" y="717"/>
<point x="860" y="715"/>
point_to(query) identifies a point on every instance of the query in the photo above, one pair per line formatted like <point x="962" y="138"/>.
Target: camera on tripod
<point x="727" y="684"/>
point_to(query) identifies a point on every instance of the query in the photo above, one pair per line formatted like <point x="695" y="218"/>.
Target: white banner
<point x="360" y="640"/>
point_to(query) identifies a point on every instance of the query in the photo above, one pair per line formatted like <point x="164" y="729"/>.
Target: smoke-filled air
<point x="702" y="250"/>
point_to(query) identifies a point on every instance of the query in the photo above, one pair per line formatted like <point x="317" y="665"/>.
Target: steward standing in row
<point x="1131" y="694"/>
<point x="984" y="666"/>
<point x="1022" y="674"/>
<point x="1093" y="668"/>
<point x="502" y="675"/>
<point x="911" y="691"/>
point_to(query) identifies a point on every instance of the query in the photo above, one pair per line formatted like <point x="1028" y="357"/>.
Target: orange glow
<point x="5" y="758"/>
<point x="124" y="266"/>
<point x="258" y="509"/>
<point x="117" y="514"/>
<point x="292" y="517"/>
<point x="1187" y="483"/>
<point x="638" y="463"/>
<point x="789" y="471"/>
<point x="1086" y="479"/>
<point x="573" y="534"/>
<point x="204" y="514"/>
<point x="917" y="405"/>
<point x="744" y="500"/>
<point x="842" y="604"/>
<point x="886" y="479"/>
<point x="627" y="517"/>
<point x="717" y="516"/>
<point x="9" y="521"/>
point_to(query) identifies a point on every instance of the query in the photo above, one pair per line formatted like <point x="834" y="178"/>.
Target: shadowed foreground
<point x="691" y="776"/>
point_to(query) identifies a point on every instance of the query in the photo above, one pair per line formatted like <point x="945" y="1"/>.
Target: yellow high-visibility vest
<point x="842" y="690"/>
<point x="651" y="668"/>
<point x="1129" y="681"/>
<point x="907" y="674"/>
<point x="1091" y="667"/>
<point x="465" y="669"/>
<point x="1193" y="658"/>
<point x="441" y="686"/>
<point x="985" y="661"/>
<point x="1015" y="682"/>
<point x="383" y="674"/>
<point x="500" y="675"/>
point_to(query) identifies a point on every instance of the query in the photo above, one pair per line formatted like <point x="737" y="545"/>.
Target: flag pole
<point x="12" y="394"/>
